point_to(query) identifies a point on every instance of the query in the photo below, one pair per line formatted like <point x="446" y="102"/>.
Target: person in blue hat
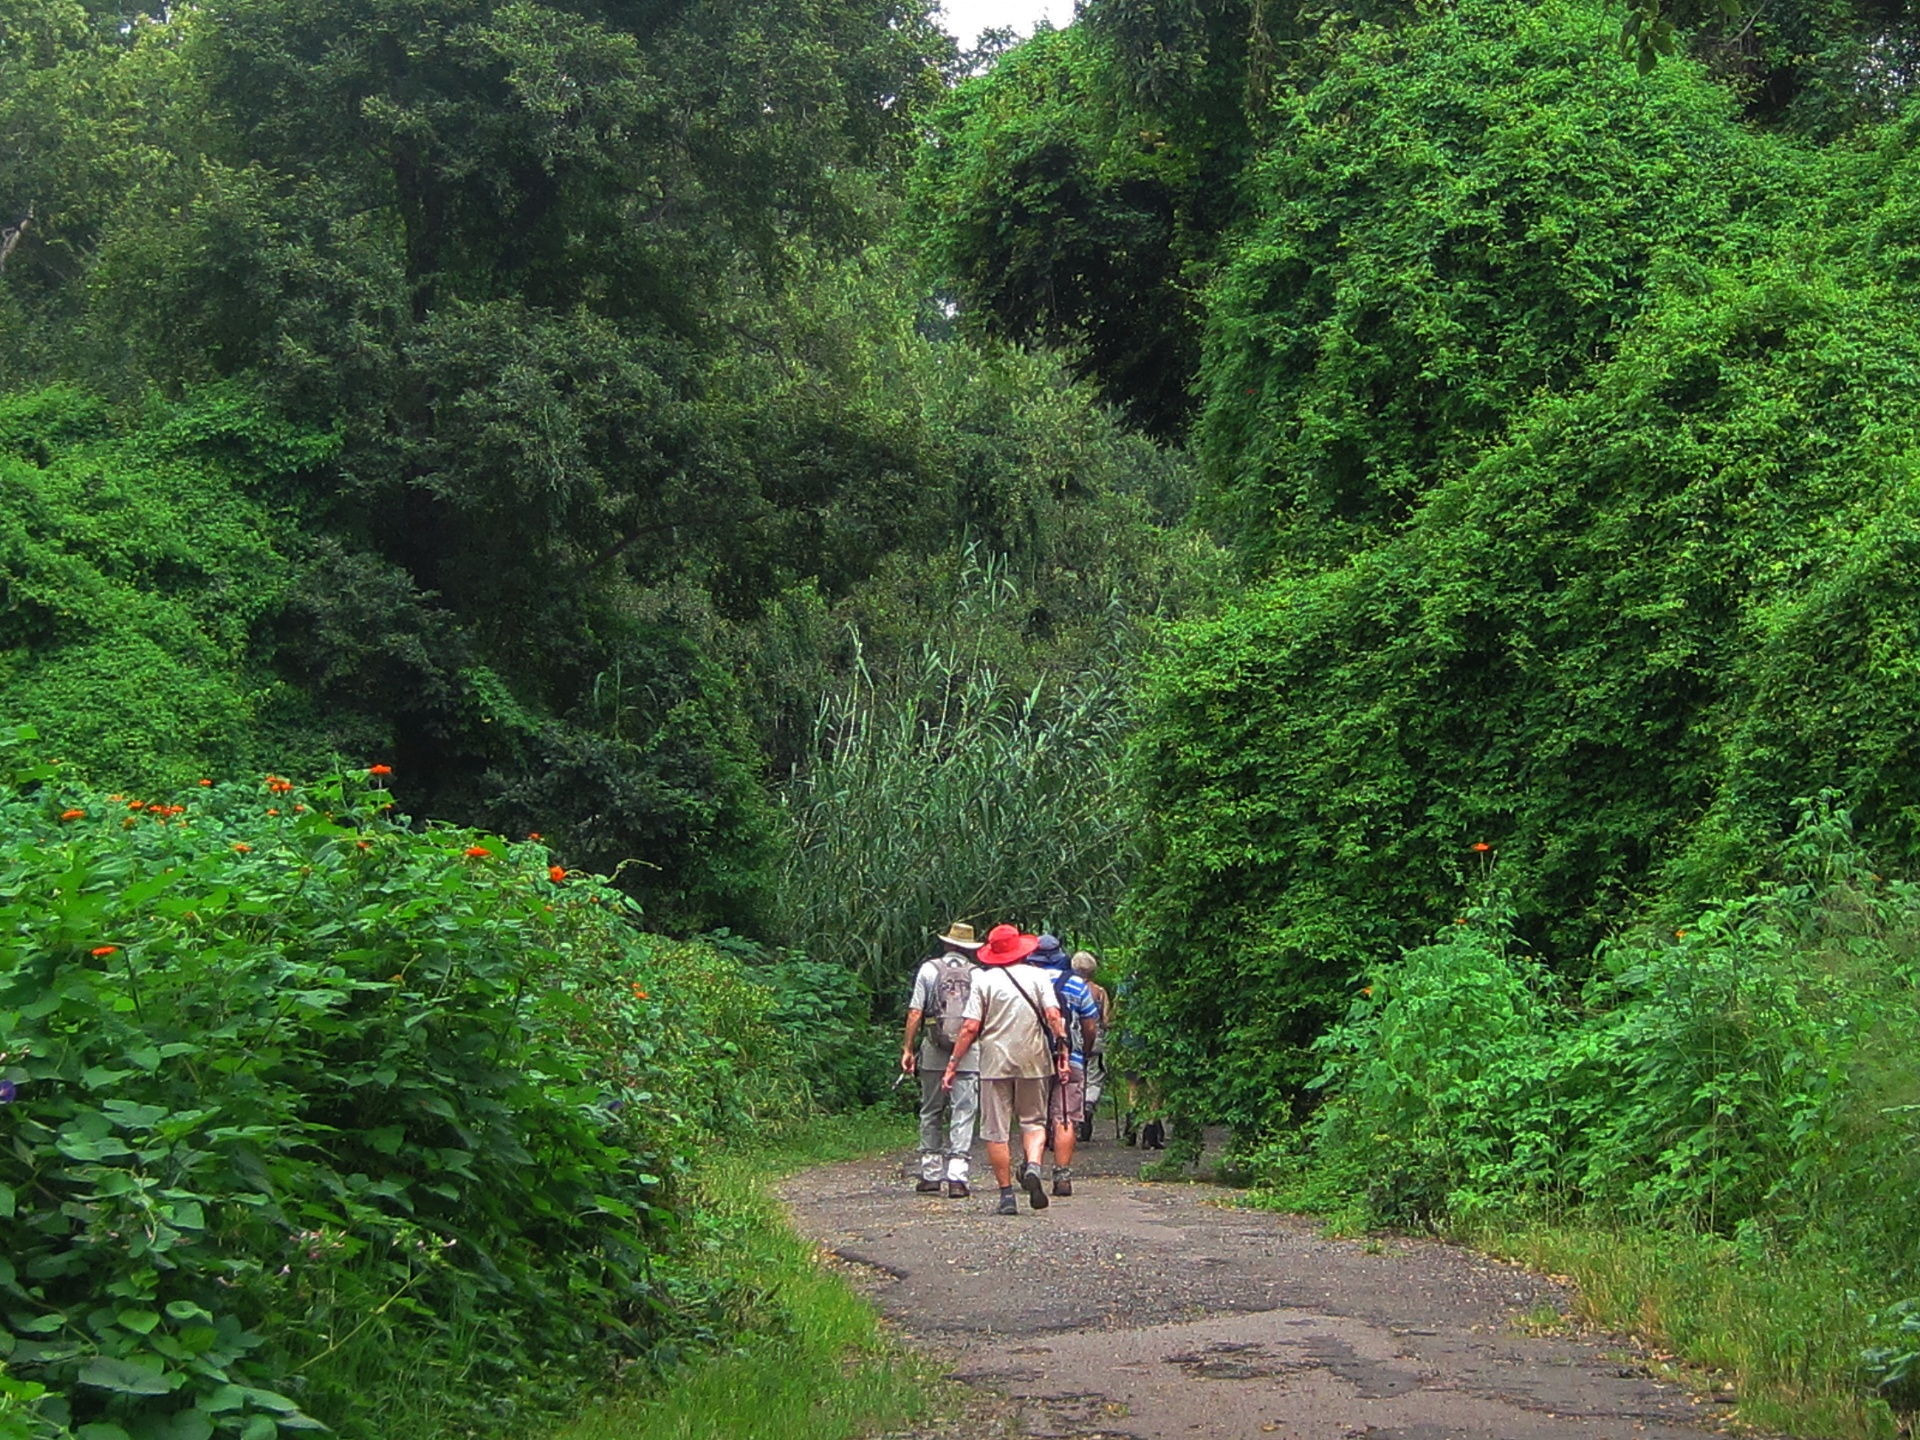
<point x="1067" y="1103"/>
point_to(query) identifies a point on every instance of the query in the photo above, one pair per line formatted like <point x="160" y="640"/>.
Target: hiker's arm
<point x="907" y="1062"/>
<point x="1090" y="1031"/>
<point x="1058" y="1025"/>
<point x="960" y="1047"/>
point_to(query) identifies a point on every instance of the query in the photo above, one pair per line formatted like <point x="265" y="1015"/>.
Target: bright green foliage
<point x="312" y="1113"/>
<point x="1459" y="214"/>
<point x="950" y="796"/>
<point x="813" y="1361"/>
<point x="1742" y="1074"/>
<point x="138" y="576"/>
<point x="1617" y="629"/>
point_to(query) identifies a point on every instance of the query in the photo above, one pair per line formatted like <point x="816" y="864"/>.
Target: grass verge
<point x="812" y="1362"/>
<point x="1786" y="1329"/>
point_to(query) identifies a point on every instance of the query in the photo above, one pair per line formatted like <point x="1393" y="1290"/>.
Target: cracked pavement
<point x="1141" y="1311"/>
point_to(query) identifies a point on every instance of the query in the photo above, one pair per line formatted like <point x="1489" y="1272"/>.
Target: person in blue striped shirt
<point x="1067" y="1101"/>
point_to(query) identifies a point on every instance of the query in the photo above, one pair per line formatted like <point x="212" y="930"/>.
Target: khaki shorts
<point x="1067" y="1099"/>
<point x="1002" y="1101"/>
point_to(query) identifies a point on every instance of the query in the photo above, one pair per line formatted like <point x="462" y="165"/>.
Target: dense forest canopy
<point x="554" y="355"/>
<point x="1252" y="486"/>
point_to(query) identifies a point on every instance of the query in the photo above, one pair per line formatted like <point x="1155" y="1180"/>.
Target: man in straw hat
<point x="940" y="992"/>
<point x="1015" y="1018"/>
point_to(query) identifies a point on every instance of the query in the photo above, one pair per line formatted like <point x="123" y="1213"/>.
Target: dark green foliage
<point x="1056" y="217"/>
<point x="308" y="1110"/>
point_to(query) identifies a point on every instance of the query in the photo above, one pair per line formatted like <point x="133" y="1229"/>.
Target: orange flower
<point x="477" y="852"/>
<point x="363" y="844"/>
<point x="73" y="814"/>
<point x="205" y="783"/>
<point x="1481" y="846"/>
<point x="273" y="812"/>
<point x="556" y="873"/>
<point x="638" y="993"/>
<point x="533" y="835"/>
<point x="105" y="949"/>
<point x="1366" y="990"/>
<point x="379" y="769"/>
<point x="241" y="846"/>
<point x="299" y="809"/>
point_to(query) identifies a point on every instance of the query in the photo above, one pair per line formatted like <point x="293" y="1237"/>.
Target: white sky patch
<point x="965" y="19"/>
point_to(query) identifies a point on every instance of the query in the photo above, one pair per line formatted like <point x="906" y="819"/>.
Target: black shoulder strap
<point x="1034" y="1005"/>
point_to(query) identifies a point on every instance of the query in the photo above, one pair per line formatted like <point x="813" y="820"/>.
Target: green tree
<point x="1623" y="612"/>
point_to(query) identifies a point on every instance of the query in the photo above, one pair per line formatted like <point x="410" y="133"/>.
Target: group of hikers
<point x="1009" y="1030"/>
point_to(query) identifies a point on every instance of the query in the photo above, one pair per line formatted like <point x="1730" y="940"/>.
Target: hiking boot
<point x="956" y="1189"/>
<point x="1007" y="1205"/>
<point x="927" y="1187"/>
<point x="1036" y="1191"/>
<point x="1062" y="1185"/>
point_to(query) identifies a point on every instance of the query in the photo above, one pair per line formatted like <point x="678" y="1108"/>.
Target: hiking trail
<point x="1162" y="1311"/>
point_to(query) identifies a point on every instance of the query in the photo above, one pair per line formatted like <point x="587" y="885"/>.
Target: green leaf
<point x="141" y="1322"/>
<point x="125" y="1377"/>
<point x="185" y="1214"/>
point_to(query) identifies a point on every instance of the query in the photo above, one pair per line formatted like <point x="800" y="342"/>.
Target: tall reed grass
<point x="941" y="792"/>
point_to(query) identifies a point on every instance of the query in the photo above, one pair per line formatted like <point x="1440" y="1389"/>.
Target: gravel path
<point x="1140" y="1311"/>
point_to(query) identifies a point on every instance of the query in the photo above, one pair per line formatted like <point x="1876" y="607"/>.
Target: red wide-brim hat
<point x="1006" y="946"/>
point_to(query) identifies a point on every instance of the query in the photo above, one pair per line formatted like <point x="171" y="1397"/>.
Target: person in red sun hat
<point x="1014" y="1017"/>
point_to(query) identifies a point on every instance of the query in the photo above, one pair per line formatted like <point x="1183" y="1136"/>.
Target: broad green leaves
<point x="303" y="1098"/>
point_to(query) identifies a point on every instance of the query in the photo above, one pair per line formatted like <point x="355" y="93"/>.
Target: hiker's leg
<point x="933" y="1106"/>
<point x="966" y="1111"/>
<point x="996" y="1118"/>
<point x="1096" y="1087"/>
<point x="1064" y="1108"/>
<point x="1000" y="1157"/>
<point x="1030" y="1104"/>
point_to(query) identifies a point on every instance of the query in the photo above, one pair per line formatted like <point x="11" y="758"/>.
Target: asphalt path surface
<point x="1164" y="1311"/>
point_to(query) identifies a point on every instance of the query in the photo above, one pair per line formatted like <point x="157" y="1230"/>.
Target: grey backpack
<point x="952" y="984"/>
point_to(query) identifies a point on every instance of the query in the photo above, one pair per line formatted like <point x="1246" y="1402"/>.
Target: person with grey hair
<point x="1084" y="965"/>
<point x="940" y="992"/>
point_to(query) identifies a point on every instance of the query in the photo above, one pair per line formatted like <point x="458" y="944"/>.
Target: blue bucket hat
<point x="1049" y="953"/>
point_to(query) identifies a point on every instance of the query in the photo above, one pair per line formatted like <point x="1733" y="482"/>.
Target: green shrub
<point x="1745" y="1076"/>
<point x="309" y="1113"/>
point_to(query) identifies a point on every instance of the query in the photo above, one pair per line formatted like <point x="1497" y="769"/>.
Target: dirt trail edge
<point x="1137" y="1311"/>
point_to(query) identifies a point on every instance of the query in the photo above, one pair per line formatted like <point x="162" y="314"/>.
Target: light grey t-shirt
<point x="1013" y="1043"/>
<point x="926" y="999"/>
